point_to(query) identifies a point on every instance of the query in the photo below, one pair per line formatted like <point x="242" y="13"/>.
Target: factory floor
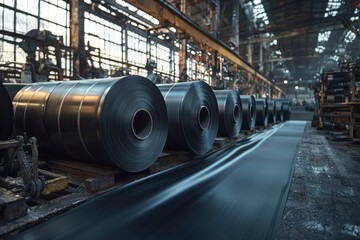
<point x="324" y="196"/>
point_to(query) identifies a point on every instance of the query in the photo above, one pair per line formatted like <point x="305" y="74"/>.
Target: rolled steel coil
<point x="261" y="113"/>
<point x="271" y="111"/>
<point x="6" y="117"/>
<point x="286" y="108"/>
<point x="249" y="112"/>
<point x="120" y="122"/>
<point x="193" y="116"/>
<point x="279" y="110"/>
<point x="230" y="112"/>
<point x="14" y="88"/>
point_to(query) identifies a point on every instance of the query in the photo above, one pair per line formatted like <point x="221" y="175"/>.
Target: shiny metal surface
<point x="237" y="192"/>
<point x="6" y="116"/>
<point x="261" y="113"/>
<point x="249" y="112"/>
<point x="193" y="116"/>
<point x="230" y="112"/>
<point x="271" y="111"/>
<point x="120" y="121"/>
<point x="29" y="109"/>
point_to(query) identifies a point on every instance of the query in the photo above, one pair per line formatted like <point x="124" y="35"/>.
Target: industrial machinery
<point x="40" y="68"/>
<point x="338" y="99"/>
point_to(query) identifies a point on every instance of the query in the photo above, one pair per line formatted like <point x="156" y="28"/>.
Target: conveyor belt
<point x="237" y="192"/>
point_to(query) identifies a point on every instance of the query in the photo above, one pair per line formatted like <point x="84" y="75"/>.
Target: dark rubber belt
<point x="230" y="112"/>
<point x="193" y="116"/>
<point x="96" y="120"/>
<point x="237" y="192"/>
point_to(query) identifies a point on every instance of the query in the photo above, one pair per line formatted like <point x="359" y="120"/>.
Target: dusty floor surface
<point x="324" y="196"/>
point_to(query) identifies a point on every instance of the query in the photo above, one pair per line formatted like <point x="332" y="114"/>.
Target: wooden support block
<point x="12" y="206"/>
<point x="99" y="183"/>
<point x="54" y="182"/>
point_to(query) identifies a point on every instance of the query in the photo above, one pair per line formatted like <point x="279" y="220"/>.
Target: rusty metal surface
<point x="237" y="192"/>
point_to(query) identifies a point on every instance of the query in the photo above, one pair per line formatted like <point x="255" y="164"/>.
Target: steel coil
<point x="6" y="117"/>
<point x="271" y="111"/>
<point x="193" y="116"/>
<point x="29" y="109"/>
<point x="249" y="112"/>
<point x="230" y="113"/>
<point x="286" y="108"/>
<point x="261" y="113"/>
<point x="279" y="110"/>
<point x="120" y="121"/>
<point x="14" y="88"/>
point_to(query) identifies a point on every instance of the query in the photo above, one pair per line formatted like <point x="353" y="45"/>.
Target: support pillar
<point x="77" y="37"/>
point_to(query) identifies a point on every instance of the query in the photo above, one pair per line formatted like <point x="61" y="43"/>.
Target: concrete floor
<point x="324" y="196"/>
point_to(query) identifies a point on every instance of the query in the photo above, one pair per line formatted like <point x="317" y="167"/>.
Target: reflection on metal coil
<point x="249" y="112"/>
<point x="261" y="112"/>
<point x="193" y="116"/>
<point x="271" y="111"/>
<point x="96" y="120"/>
<point x="6" y="116"/>
<point x="230" y="112"/>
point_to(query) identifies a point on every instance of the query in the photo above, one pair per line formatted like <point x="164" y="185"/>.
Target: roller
<point x="193" y="116"/>
<point x="120" y="121"/>
<point x="6" y="117"/>
<point x="271" y="111"/>
<point x="230" y="113"/>
<point x="261" y="113"/>
<point x="249" y="112"/>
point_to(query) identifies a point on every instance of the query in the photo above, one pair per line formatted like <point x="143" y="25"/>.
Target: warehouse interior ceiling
<point x="302" y="35"/>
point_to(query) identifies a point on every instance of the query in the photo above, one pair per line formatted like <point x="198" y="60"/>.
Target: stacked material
<point x="249" y="112"/>
<point x="193" y="116"/>
<point x="230" y="113"/>
<point x="96" y="120"/>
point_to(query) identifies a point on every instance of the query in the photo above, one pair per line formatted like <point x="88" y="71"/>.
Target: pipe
<point x="193" y="116"/>
<point x="96" y="120"/>
<point x="230" y="113"/>
<point x="261" y="113"/>
<point x="249" y="112"/>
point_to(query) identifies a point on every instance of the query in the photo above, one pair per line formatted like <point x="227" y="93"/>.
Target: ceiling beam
<point x="294" y="33"/>
<point x="165" y="12"/>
